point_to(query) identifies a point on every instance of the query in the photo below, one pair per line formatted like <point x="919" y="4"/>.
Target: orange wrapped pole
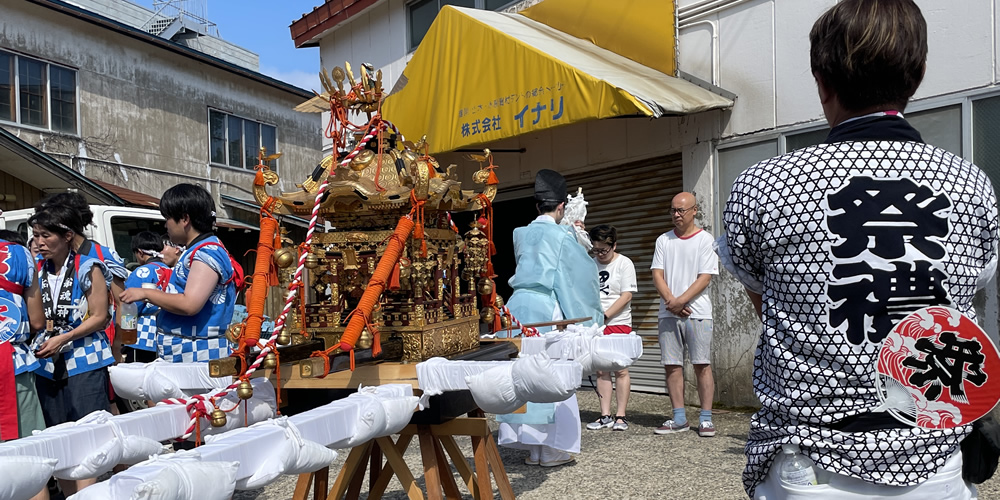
<point x="379" y="280"/>
<point x="263" y="277"/>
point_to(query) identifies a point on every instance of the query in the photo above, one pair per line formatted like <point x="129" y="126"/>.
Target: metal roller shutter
<point x="635" y="198"/>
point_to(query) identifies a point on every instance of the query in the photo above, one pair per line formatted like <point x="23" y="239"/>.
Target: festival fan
<point x="934" y="370"/>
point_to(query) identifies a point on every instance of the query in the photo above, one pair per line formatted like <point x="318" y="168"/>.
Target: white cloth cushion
<point x="188" y="479"/>
<point x="398" y="412"/>
<point x="99" y="491"/>
<point x="534" y="380"/>
<point x="607" y="361"/>
<point x="24" y="476"/>
<point x="294" y="455"/>
<point x="493" y="390"/>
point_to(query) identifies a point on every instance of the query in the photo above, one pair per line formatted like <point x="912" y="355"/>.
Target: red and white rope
<point x="528" y="331"/>
<point x="196" y="404"/>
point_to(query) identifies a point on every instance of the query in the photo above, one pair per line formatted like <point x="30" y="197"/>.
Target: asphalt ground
<point x="632" y="464"/>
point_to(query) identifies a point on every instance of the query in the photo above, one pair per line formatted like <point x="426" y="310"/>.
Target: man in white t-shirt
<point x="683" y="264"/>
<point x="616" y="274"/>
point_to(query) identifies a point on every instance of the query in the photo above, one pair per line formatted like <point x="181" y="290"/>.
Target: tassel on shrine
<point x="376" y="343"/>
<point x="394" y="277"/>
<point x="492" y="179"/>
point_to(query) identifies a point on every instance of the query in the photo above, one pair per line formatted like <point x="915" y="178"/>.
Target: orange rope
<point x="360" y="317"/>
<point x="417" y="213"/>
<point x="264" y="277"/>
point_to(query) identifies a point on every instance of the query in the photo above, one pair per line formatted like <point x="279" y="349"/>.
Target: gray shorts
<point x="696" y="334"/>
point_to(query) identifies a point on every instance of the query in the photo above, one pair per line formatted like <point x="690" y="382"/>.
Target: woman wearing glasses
<point x="617" y="280"/>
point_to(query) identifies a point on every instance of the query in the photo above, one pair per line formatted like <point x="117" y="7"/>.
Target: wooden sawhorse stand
<point x="435" y="441"/>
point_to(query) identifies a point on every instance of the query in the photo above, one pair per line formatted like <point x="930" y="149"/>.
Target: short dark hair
<point x="190" y="200"/>
<point x="605" y="234"/>
<point x="70" y="199"/>
<point x="147" y="240"/>
<point x="165" y="239"/>
<point x="545" y="207"/>
<point x="13" y="237"/>
<point x="59" y="219"/>
<point x="870" y="53"/>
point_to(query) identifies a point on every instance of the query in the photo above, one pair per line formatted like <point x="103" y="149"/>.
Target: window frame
<point x="480" y="4"/>
<point x="964" y="99"/>
<point x="273" y="165"/>
<point x="15" y="73"/>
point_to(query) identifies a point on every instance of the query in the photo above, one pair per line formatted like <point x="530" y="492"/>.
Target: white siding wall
<point x="764" y="55"/>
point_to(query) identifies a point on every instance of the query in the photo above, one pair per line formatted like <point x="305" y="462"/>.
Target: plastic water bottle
<point x="796" y="468"/>
<point x="128" y="322"/>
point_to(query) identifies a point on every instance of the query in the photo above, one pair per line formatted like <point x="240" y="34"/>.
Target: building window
<point x="421" y="14"/>
<point x="733" y="161"/>
<point x="235" y="141"/>
<point x="985" y="148"/>
<point x="37" y="93"/>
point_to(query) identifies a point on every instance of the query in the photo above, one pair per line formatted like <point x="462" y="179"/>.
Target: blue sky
<point x="261" y="26"/>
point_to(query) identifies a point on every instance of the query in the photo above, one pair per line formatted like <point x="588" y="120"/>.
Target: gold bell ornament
<point x="366" y="339"/>
<point x="312" y="261"/>
<point x="218" y="418"/>
<point x="485" y="286"/>
<point x="270" y="361"/>
<point x="233" y="333"/>
<point x="244" y="390"/>
<point x="505" y="322"/>
<point x="486" y="315"/>
<point x="284" y="338"/>
<point x="284" y="257"/>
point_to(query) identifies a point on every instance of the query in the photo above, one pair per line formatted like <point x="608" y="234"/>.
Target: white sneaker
<point x="604" y="422"/>
<point x="621" y="424"/>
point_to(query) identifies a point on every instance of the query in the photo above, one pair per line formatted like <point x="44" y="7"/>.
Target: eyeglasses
<point x="681" y="211"/>
<point x="600" y="253"/>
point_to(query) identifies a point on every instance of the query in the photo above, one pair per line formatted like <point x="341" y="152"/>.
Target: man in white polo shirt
<point x="683" y="264"/>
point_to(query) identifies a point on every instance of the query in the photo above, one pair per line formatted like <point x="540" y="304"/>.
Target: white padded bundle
<point x="23" y="477"/>
<point x="96" y="443"/>
<point x="383" y="410"/>
<point x="440" y="375"/>
<point x="508" y="385"/>
<point x="102" y="454"/>
<point x="589" y="346"/>
<point x="178" y="476"/>
<point x="161" y="380"/>
<point x="536" y="380"/>
<point x="493" y="389"/>
<point x="287" y="452"/>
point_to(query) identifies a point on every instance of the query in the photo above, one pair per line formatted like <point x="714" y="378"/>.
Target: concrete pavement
<point x="634" y="464"/>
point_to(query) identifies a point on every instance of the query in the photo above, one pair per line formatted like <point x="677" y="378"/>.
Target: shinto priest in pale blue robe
<point x="555" y="279"/>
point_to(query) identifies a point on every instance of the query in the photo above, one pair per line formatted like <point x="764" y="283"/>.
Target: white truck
<point x="115" y="226"/>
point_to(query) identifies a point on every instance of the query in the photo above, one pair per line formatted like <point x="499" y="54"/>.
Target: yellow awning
<point x="481" y="76"/>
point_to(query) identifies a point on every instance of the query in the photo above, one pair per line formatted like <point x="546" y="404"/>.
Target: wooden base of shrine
<point x="437" y="444"/>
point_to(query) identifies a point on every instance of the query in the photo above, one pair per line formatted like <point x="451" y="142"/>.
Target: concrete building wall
<point x="759" y="50"/>
<point x="138" y="16"/>
<point x="147" y="108"/>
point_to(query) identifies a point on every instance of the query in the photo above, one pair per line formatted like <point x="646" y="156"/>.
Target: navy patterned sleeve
<point x="740" y="248"/>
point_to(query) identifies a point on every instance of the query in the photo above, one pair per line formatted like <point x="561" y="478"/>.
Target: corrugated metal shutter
<point x="635" y="198"/>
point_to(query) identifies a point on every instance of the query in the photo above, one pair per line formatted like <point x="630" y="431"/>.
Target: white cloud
<point x="304" y="79"/>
